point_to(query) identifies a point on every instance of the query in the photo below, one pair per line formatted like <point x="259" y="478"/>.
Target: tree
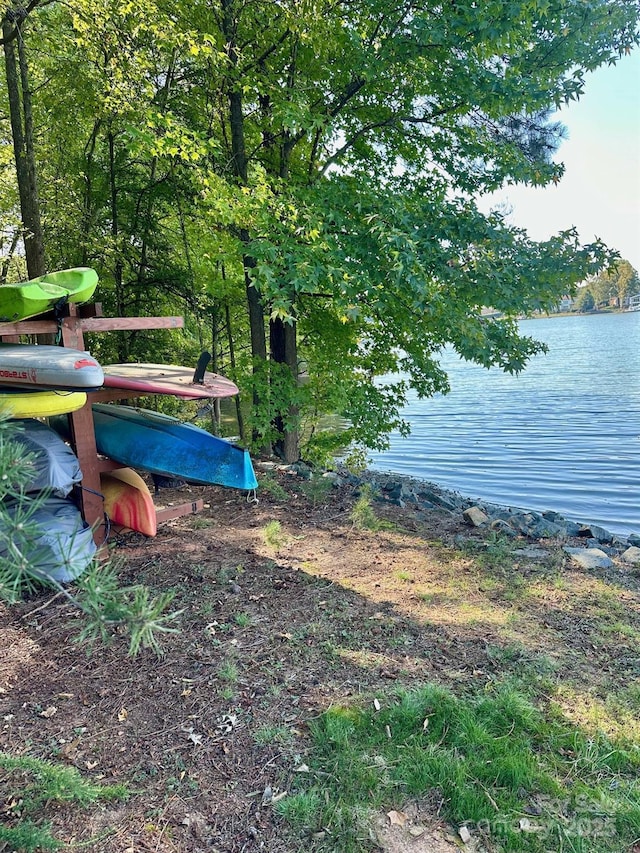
<point x="20" y="110"/>
<point x="617" y="281"/>
<point x="584" y="300"/>
<point x="361" y="131"/>
<point x="328" y="163"/>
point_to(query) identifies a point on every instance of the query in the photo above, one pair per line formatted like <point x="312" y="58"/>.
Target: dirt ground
<point x="275" y="628"/>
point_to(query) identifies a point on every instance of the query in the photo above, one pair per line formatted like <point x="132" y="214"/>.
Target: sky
<point x="599" y="193"/>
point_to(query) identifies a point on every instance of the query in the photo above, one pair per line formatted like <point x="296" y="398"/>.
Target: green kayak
<point x="30" y="298"/>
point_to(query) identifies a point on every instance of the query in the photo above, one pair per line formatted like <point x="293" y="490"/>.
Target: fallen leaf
<point x="49" y="712"/>
<point x="69" y="749"/>
<point x="122" y="715"/>
<point x="425" y="724"/>
<point x="195" y="738"/>
<point x="397" y="818"/>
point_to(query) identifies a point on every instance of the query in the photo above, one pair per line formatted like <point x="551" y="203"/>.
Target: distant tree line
<point x="611" y="287"/>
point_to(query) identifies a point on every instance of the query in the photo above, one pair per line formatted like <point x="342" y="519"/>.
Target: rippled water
<point x="564" y="435"/>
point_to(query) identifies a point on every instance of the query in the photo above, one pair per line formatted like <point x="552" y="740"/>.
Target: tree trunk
<point x="283" y="341"/>
<point x="215" y="362"/>
<point x="239" y="160"/>
<point x="232" y="362"/>
<point x="22" y="132"/>
<point x="123" y="347"/>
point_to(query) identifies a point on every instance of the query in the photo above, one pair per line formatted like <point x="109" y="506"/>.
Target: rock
<point x="449" y="501"/>
<point x="532" y="551"/>
<point x="544" y="529"/>
<point x="302" y="470"/>
<point x="596" y="532"/>
<point x="634" y="539"/>
<point x="533" y="525"/>
<point x="551" y="515"/>
<point x="503" y="527"/>
<point x="475" y="516"/>
<point x="609" y="550"/>
<point x="631" y="555"/>
<point x="589" y="558"/>
<point x="464" y="834"/>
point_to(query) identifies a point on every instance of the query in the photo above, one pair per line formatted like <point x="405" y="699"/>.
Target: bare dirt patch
<point x="271" y="635"/>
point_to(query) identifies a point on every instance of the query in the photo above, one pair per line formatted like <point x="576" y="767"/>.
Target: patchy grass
<point x="317" y="489"/>
<point x="493" y="758"/>
<point x="273" y="535"/>
<point x="32" y="789"/>
<point x="524" y="665"/>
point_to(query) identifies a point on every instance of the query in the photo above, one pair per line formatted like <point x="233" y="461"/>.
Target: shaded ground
<point x="277" y="625"/>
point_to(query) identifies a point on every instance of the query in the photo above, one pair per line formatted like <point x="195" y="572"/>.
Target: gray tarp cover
<point x="55" y="465"/>
<point x="63" y="546"/>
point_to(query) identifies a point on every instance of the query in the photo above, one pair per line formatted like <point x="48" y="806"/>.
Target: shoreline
<point x="498" y="505"/>
<point x="511" y="521"/>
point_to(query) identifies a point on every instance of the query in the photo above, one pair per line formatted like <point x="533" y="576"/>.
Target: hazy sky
<point x="600" y="190"/>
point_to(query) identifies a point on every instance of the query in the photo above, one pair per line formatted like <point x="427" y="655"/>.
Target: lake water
<point x="563" y="435"/>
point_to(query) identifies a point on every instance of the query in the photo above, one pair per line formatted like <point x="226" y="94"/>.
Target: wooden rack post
<point x="81" y="319"/>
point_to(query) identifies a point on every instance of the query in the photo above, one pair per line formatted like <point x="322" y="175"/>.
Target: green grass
<point x="362" y="515"/>
<point x="268" y="483"/>
<point x="272" y="734"/>
<point x="316" y="489"/>
<point x="30" y="788"/>
<point x="490" y="757"/>
<point x="273" y="535"/>
<point x="228" y="672"/>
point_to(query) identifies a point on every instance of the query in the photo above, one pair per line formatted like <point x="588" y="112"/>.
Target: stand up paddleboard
<point x="42" y="366"/>
<point x="45" y="293"/>
<point x="169" y="379"/>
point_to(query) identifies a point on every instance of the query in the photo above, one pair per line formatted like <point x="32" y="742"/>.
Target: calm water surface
<point x="564" y="435"/>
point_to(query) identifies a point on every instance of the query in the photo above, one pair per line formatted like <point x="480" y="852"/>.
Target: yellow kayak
<point x="40" y="404"/>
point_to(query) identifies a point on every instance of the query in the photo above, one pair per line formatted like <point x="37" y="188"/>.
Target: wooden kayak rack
<point x="70" y="329"/>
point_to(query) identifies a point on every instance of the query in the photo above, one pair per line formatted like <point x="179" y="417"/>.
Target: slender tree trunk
<point x="239" y="159"/>
<point x="88" y="185"/>
<point x="215" y="361"/>
<point x="115" y="231"/>
<point x="8" y="257"/>
<point x="232" y="362"/>
<point x="22" y="132"/>
<point x="283" y="342"/>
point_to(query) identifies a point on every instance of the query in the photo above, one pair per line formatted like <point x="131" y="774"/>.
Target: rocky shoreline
<point x="589" y="545"/>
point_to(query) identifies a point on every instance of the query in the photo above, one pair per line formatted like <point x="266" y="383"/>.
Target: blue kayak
<point x="164" y="445"/>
